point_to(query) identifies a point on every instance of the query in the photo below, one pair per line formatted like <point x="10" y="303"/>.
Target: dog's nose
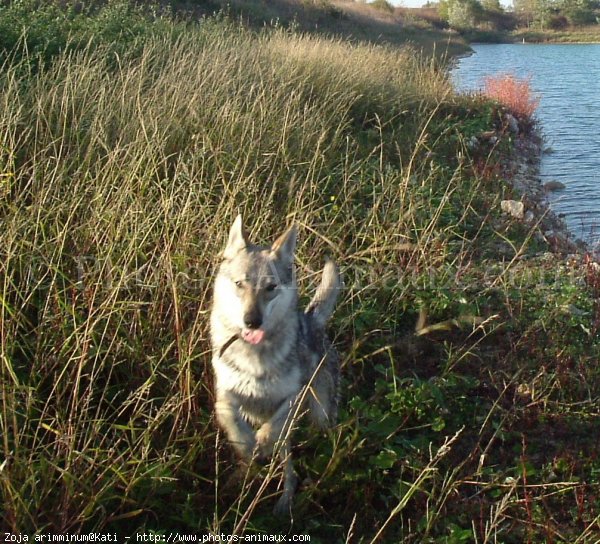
<point x="252" y="321"/>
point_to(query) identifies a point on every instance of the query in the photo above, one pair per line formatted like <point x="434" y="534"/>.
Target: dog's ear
<point x="238" y="239"/>
<point x="283" y="248"/>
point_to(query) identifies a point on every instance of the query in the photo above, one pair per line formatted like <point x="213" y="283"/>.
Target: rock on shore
<point x="523" y="174"/>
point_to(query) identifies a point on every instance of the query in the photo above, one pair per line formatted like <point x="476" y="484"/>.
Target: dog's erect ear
<point x="238" y="239"/>
<point x="283" y="248"/>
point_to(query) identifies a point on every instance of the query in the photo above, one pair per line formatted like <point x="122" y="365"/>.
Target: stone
<point x="514" y="208"/>
<point x="513" y="124"/>
<point x="553" y="186"/>
<point x="473" y="142"/>
<point x="574" y="310"/>
<point x="520" y="186"/>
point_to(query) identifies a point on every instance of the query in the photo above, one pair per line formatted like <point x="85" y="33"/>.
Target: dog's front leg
<point x="277" y="428"/>
<point x="283" y="507"/>
<point x="239" y="433"/>
<point x="274" y="437"/>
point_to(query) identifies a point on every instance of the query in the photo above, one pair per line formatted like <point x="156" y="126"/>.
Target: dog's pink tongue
<point x="253" y="336"/>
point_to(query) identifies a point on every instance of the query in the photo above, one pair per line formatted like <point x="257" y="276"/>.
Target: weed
<point x="514" y="93"/>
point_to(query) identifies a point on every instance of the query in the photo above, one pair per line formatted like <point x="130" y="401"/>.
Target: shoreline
<point x="522" y="171"/>
<point x="539" y="42"/>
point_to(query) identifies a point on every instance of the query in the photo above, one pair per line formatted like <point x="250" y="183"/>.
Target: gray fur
<point x="270" y="360"/>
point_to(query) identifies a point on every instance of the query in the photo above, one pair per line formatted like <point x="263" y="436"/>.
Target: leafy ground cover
<point x="470" y="355"/>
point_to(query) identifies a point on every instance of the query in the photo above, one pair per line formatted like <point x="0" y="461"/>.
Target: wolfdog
<point x="271" y="362"/>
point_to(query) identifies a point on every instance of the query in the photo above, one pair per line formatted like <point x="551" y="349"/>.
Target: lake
<point x="567" y="79"/>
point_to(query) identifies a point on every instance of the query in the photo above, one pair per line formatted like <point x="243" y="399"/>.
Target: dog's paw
<point x="283" y="507"/>
<point x="264" y="442"/>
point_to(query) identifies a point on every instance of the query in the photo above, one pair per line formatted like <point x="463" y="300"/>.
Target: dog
<point x="271" y="362"/>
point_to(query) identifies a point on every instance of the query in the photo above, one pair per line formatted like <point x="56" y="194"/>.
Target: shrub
<point x="558" y="22"/>
<point x="383" y="5"/>
<point x="512" y="92"/>
<point x="464" y="14"/>
<point x="40" y="31"/>
<point x="581" y="16"/>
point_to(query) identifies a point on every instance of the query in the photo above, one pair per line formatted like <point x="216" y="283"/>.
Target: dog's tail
<point x="322" y="304"/>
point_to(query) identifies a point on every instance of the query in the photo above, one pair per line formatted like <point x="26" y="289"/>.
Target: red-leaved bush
<point x="512" y="92"/>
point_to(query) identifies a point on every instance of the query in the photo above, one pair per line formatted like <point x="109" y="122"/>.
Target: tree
<point x="461" y="14"/>
<point x="535" y="12"/>
<point x="492" y="5"/>
<point x="580" y="12"/>
<point x="526" y="11"/>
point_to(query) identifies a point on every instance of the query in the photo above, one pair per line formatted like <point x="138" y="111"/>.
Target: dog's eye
<point x="239" y="284"/>
<point x="270" y="288"/>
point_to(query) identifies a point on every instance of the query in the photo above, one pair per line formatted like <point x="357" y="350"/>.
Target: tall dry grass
<point x="121" y="175"/>
<point x="121" y="171"/>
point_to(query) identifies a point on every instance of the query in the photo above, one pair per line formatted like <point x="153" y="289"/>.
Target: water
<point x="567" y="79"/>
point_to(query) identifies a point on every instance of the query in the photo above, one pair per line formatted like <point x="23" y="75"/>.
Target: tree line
<point x="534" y="14"/>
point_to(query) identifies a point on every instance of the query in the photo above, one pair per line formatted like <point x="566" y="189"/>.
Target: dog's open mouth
<point x="253" y="336"/>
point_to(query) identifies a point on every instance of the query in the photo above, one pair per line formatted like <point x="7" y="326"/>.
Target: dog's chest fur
<point x="262" y="377"/>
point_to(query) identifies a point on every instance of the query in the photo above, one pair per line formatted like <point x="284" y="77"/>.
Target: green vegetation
<point x="50" y="23"/>
<point x="532" y="20"/>
<point x="557" y="14"/>
<point x="382" y="5"/>
<point x="128" y="142"/>
<point x="588" y="34"/>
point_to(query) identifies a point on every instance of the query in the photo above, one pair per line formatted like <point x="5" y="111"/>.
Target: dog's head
<point x="256" y="287"/>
